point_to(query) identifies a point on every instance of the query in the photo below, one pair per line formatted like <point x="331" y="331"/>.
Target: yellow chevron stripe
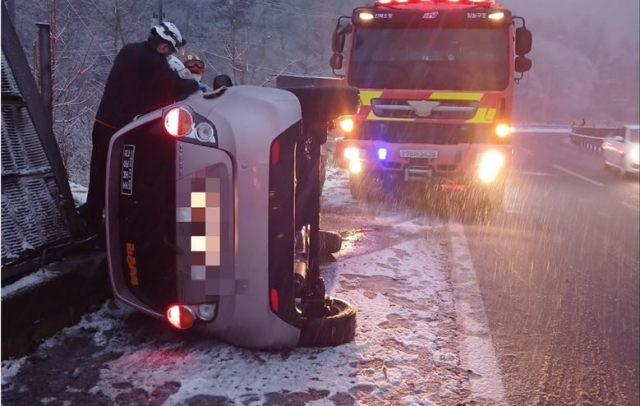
<point x="366" y="96"/>
<point x="483" y="116"/>
<point x="456" y="96"/>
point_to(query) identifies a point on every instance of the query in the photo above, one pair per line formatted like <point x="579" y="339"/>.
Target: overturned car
<point x="212" y="216"/>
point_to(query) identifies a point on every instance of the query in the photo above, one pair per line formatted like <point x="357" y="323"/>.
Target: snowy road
<point x="557" y="283"/>
<point x="395" y="268"/>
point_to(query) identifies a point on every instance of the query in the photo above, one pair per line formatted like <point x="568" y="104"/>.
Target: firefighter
<point x="140" y="81"/>
<point x="195" y="65"/>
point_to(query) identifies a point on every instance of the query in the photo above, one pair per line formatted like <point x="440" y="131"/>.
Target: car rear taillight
<point x="275" y="300"/>
<point x="275" y="152"/>
<point x="180" y="317"/>
<point x="178" y="122"/>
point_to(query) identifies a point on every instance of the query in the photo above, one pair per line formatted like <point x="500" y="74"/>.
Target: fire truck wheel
<point x="337" y="328"/>
<point x="330" y="242"/>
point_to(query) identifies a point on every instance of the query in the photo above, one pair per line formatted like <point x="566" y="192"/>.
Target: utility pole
<point x="159" y="16"/>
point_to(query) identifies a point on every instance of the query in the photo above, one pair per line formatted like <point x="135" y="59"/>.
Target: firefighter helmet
<point x="169" y="33"/>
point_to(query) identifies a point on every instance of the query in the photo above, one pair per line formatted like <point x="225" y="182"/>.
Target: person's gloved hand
<point x="203" y="88"/>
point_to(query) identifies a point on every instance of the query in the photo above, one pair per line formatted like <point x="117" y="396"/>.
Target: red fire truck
<point x="436" y="80"/>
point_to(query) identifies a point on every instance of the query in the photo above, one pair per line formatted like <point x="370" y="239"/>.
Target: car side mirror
<point x="524" y="41"/>
<point x="222" y="81"/>
<point x="336" y="61"/>
<point x="523" y="64"/>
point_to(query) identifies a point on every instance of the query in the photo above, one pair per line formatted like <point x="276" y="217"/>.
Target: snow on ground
<point x="79" y="193"/>
<point x="405" y="351"/>
<point x="30" y="280"/>
<point x="335" y="192"/>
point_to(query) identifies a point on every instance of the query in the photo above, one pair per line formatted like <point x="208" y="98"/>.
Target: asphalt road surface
<point x="558" y="271"/>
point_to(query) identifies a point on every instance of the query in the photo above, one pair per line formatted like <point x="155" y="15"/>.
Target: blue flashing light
<point x="382" y="154"/>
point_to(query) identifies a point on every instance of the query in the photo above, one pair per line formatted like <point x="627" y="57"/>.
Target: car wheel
<point x="330" y="242"/>
<point x="606" y="166"/>
<point x="336" y="328"/>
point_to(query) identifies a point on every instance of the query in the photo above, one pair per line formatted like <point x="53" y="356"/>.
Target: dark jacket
<point x="139" y="82"/>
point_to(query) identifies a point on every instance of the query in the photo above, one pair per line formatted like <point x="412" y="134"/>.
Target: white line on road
<point x="477" y="352"/>
<point x="577" y="175"/>
<point x="527" y="173"/>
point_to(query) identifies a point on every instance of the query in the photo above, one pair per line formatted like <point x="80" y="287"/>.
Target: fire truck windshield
<point x="430" y="58"/>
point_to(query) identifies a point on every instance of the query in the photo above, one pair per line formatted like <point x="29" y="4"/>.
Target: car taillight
<point x="178" y="122"/>
<point x="275" y="152"/>
<point x="180" y="317"/>
<point x="275" y="300"/>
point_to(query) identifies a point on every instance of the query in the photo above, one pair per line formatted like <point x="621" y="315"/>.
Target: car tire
<point x="605" y="166"/>
<point x="335" y="329"/>
<point x="329" y="242"/>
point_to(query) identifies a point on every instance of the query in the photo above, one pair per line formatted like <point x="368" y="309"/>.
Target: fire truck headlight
<point x="491" y="162"/>
<point x="352" y="153"/>
<point x="499" y="15"/>
<point x="488" y="174"/>
<point x="503" y="130"/>
<point x="347" y="124"/>
<point x="355" y="166"/>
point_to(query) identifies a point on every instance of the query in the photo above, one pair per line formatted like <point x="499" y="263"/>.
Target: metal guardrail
<point x="39" y="220"/>
<point x="592" y="137"/>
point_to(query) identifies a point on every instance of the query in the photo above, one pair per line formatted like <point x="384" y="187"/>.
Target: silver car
<point x="622" y="151"/>
<point x="201" y="230"/>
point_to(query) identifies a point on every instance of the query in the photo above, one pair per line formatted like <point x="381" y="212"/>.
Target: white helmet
<point x="170" y="33"/>
<point x="176" y="64"/>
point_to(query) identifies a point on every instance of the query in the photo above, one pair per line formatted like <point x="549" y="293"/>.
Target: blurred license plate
<point x="414" y="153"/>
<point x="126" y="175"/>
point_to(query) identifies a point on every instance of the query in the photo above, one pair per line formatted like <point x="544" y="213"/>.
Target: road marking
<point x="577" y="175"/>
<point x="477" y="352"/>
<point x="526" y="173"/>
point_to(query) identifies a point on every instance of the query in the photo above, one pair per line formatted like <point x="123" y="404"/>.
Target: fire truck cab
<point x="436" y="80"/>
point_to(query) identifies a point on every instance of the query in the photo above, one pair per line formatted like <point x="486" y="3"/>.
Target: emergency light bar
<point x="400" y="2"/>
